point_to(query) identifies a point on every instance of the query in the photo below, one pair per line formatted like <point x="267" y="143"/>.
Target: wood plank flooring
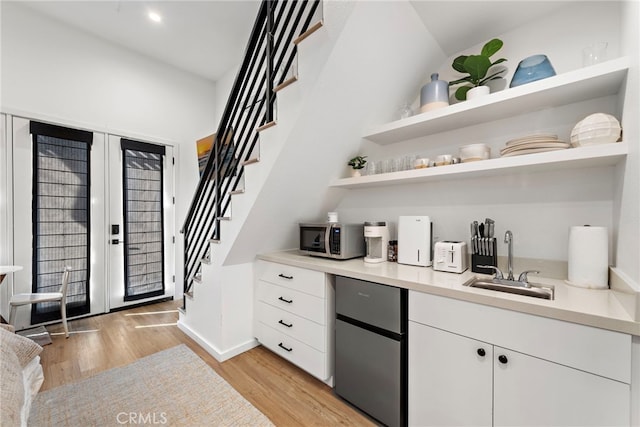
<point x="283" y="392"/>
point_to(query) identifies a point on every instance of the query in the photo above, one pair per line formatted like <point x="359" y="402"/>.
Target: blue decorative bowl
<point x="536" y="67"/>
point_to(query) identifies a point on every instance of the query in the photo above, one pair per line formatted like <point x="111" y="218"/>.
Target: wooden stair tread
<point x="266" y="126"/>
<point x="239" y="191"/>
<point x="285" y="83"/>
<point x="312" y="29"/>
<point x="249" y="162"/>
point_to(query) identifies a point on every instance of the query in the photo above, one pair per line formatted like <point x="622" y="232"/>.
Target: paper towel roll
<point x="589" y="257"/>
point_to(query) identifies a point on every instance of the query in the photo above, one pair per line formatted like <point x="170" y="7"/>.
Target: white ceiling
<point x="208" y="37"/>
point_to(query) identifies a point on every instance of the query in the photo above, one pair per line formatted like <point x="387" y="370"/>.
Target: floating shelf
<point x="579" y="85"/>
<point x="589" y="156"/>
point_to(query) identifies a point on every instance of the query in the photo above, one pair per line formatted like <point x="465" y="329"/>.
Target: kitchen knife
<point x="473" y="239"/>
<point x="481" y="239"/>
<point x="491" y="226"/>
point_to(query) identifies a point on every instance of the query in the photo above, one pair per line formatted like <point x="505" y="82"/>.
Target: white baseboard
<point x="219" y="355"/>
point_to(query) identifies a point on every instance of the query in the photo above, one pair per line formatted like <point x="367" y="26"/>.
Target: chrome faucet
<point x="508" y="239"/>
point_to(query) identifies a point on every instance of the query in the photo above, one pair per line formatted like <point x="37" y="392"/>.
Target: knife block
<point x="477" y="259"/>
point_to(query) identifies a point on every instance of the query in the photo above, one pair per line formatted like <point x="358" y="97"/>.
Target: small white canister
<point x="589" y="257"/>
<point x="332" y="217"/>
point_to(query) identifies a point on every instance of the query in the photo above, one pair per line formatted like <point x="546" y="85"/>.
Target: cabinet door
<point x="449" y="378"/>
<point x="535" y="392"/>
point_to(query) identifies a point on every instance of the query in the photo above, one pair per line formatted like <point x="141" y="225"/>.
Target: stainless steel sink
<point x="514" y="287"/>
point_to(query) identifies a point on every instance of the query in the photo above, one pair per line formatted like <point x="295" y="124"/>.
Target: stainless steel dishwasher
<point x="371" y="348"/>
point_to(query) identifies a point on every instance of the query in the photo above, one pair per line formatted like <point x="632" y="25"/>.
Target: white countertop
<point x="597" y="308"/>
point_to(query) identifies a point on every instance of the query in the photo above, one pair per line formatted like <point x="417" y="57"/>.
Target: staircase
<point x="288" y="129"/>
<point x="269" y="66"/>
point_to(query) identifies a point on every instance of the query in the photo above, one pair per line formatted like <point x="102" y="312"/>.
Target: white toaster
<point x="450" y="256"/>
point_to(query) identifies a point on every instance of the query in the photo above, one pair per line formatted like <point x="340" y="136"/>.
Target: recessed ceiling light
<point x="154" y="16"/>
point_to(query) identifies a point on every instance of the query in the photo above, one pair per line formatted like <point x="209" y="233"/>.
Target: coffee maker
<point x="376" y="235"/>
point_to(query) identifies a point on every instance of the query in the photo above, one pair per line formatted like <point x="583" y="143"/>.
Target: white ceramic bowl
<point x="474" y="152"/>
<point x="598" y="128"/>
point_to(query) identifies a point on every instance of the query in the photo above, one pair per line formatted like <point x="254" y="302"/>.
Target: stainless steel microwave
<point x="332" y="240"/>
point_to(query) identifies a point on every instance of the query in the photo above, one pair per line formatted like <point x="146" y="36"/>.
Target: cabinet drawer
<point x="303" y="280"/>
<point x="602" y="352"/>
<point x="303" y="330"/>
<point x="306" y="357"/>
<point x="302" y="304"/>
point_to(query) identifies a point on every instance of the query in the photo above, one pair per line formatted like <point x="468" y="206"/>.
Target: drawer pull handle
<point x="288" y="325"/>
<point x="288" y="301"/>
<point x="285" y="277"/>
<point x="285" y="348"/>
<point x="503" y="359"/>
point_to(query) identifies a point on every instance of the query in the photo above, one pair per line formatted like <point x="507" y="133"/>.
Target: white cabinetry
<point x="294" y="316"/>
<point x="474" y="365"/>
<point x="592" y="82"/>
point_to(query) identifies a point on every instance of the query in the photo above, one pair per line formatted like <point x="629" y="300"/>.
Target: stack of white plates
<point x="533" y="144"/>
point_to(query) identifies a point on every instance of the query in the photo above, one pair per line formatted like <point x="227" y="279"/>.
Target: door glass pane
<point x="143" y="225"/>
<point x="60" y="223"/>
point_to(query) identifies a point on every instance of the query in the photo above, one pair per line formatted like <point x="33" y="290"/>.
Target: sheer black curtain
<point x="61" y="216"/>
<point x="143" y="219"/>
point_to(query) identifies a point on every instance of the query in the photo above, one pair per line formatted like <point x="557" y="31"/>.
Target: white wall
<point x="538" y="208"/>
<point x="628" y="209"/>
<point x="55" y="73"/>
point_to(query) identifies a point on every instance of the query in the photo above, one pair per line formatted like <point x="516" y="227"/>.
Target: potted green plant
<point x="477" y="67"/>
<point x="357" y="163"/>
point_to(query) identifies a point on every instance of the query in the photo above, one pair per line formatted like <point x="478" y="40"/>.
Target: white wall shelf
<point x="589" y="156"/>
<point x="585" y="83"/>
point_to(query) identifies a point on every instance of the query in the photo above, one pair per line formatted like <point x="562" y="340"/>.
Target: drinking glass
<point x="594" y="54"/>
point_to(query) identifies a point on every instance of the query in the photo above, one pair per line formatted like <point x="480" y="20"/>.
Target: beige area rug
<point x="171" y="388"/>
<point x="39" y="335"/>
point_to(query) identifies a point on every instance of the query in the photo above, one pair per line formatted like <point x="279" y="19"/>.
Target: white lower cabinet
<point x="450" y="382"/>
<point x="535" y="392"/>
<point x="293" y="316"/>
<point x="456" y="379"/>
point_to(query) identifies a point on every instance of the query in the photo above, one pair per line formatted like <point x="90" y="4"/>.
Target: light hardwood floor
<point x="283" y="392"/>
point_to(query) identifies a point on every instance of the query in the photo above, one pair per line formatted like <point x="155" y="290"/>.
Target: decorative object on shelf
<point x="598" y="128"/>
<point x="356" y="164"/>
<point x="531" y="69"/>
<point x="474" y="152"/>
<point x="594" y="54"/>
<point x="530" y="144"/>
<point x="434" y="94"/>
<point x="477" y="92"/>
<point x="477" y="66"/>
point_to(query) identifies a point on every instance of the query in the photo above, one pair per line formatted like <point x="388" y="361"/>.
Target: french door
<point x="68" y="190"/>
<point x="58" y="217"/>
<point x="141" y="218"/>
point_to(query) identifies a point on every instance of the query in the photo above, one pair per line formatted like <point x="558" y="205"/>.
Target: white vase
<point x="355" y="172"/>
<point x="477" y="92"/>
